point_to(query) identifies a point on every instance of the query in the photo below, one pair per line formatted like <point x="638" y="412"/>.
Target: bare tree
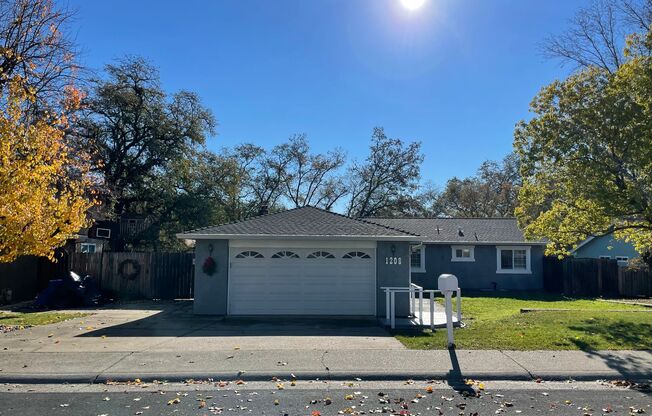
<point x="35" y="47"/>
<point x="389" y="175"/>
<point x="597" y="33"/>
<point x="310" y="178"/>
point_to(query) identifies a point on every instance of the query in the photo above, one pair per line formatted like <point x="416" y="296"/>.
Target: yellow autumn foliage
<point x="44" y="186"/>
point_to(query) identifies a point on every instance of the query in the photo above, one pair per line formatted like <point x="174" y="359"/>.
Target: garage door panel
<point x="303" y="286"/>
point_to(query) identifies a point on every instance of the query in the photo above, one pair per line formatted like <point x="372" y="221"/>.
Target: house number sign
<point x="392" y="260"/>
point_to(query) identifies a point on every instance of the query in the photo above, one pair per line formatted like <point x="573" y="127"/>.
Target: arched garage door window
<point x="249" y="255"/>
<point x="285" y="255"/>
<point x="321" y="255"/>
<point x="356" y="255"/>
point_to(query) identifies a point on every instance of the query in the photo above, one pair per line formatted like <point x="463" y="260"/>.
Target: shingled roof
<point x="458" y="230"/>
<point x="300" y="222"/>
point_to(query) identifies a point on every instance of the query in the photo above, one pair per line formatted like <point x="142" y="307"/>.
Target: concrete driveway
<point x="171" y="327"/>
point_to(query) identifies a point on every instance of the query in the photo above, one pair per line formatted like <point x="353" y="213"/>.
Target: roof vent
<point x="460" y="232"/>
<point x="476" y="236"/>
<point x="437" y="229"/>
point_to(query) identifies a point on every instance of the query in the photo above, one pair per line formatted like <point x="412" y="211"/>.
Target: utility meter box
<point x="447" y="282"/>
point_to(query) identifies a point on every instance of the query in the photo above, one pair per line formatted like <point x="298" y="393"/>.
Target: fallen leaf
<point x="176" y="400"/>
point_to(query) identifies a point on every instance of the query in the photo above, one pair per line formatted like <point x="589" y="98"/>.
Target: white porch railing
<point x="416" y="300"/>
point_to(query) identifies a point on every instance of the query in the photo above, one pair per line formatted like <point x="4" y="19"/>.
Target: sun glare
<point x="412" y="4"/>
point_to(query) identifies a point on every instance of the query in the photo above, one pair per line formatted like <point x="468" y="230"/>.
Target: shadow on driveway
<point x="176" y="319"/>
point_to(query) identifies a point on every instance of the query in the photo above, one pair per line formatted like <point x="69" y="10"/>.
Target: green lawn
<point x="496" y="323"/>
<point x="36" y="318"/>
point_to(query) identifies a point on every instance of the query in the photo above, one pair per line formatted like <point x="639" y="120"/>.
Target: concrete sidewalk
<point x="38" y="367"/>
<point x="165" y="341"/>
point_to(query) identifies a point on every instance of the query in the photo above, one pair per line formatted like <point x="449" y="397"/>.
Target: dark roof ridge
<point x="269" y="214"/>
<point x="366" y="222"/>
<point x="439" y="218"/>
<point x="297" y="208"/>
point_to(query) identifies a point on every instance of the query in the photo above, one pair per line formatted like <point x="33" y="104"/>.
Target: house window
<point x="605" y="257"/>
<point x="249" y="255"/>
<point x="356" y="255"/>
<point x="418" y="259"/>
<point x="285" y="255"/>
<point x="622" y="260"/>
<point x="103" y="232"/>
<point x="321" y="255"/>
<point x="514" y="259"/>
<point x="87" y="248"/>
<point x="463" y="253"/>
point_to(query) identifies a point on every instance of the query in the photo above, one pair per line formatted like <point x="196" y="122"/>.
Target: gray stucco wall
<point x="481" y="273"/>
<point x="395" y="275"/>
<point x="211" y="291"/>
<point x="606" y="245"/>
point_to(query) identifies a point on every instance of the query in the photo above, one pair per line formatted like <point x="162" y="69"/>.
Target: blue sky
<point x="456" y="74"/>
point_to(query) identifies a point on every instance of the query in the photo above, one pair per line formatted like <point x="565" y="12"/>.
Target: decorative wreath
<point x="134" y="269"/>
<point x="209" y="267"/>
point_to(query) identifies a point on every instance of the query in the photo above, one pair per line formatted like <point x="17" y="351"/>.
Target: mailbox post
<point x="447" y="284"/>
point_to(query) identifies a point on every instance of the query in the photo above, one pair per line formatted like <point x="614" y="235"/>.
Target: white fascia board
<point x="200" y="236"/>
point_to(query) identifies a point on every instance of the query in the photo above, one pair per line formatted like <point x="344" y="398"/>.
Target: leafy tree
<point x="389" y="175"/>
<point x="194" y="192"/>
<point x="43" y="186"/>
<point x="492" y="192"/>
<point x="136" y="130"/>
<point x="587" y="155"/>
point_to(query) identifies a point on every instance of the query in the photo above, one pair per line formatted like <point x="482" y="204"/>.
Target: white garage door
<point x="302" y="281"/>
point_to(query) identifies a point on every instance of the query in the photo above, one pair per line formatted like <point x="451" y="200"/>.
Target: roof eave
<point x="204" y="236"/>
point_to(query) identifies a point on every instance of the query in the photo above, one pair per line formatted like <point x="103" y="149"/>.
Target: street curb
<point x="324" y="376"/>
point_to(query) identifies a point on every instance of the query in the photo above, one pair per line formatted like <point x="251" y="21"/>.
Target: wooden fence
<point x="635" y="283"/>
<point x="23" y="278"/>
<point x="138" y="275"/>
<point x="595" y="277"/>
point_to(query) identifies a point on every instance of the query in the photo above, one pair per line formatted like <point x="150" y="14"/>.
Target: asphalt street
<point x="327" y="398"/>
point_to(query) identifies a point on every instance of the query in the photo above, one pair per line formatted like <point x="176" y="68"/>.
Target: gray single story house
<point x="308" y="261"/>
<point x="484" y="253"/>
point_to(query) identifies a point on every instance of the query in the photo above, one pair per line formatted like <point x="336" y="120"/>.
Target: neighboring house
<point x="308" y="261"/>
<point x="484" y="253"/>
<point x="105" y="235"/>
<point x="605" y="247"/>
<point x="95" y="239"/>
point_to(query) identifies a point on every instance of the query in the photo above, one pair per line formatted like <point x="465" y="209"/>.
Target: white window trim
<point x="103" y="229"/>
<point x="528" y="260"/>
<point x="605" y="257"/>
<point x="421" y="269"/>
<point x="454" y="258"/>
<point x="88" y="245"/>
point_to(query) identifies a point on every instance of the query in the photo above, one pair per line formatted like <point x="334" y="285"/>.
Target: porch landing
<point x="413" y="321"/>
